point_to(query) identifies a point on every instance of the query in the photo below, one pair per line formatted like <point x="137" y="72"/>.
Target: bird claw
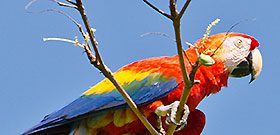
<point x="196" y="82"/>
<point x="170" y="112"/>
<point x="160" y="127"/>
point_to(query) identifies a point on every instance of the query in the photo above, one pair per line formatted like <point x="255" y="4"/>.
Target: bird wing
<point x="143" y="86"/>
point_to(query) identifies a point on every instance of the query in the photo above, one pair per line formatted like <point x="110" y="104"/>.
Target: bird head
<point x="238" y="52"/>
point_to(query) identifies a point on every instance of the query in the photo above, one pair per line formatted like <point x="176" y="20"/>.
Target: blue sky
<point x="37" y="78"/>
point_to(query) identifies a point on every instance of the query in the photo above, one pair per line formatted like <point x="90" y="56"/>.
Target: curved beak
<point x="256" y="64"/>
<point x="252" y="64"/>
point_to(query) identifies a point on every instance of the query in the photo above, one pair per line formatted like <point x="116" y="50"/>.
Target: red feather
<point x="211" y="80"/>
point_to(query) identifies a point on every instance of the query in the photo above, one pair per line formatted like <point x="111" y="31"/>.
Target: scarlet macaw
<point x="155" y="84"/>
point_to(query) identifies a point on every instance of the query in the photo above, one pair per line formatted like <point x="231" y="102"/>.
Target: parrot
<point x="156" y="85"/>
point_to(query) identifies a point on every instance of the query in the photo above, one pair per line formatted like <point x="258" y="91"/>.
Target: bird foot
<point x="170" y="112"/>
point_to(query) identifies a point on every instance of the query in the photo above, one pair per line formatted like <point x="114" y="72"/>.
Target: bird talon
<point x="196" y="82"/>
<point x="167" y="119"/>
<point x="181" y="127"/>
<point x="160" y="127"/>
<point x="174" y="122"/>
<point x="170" y="112"/>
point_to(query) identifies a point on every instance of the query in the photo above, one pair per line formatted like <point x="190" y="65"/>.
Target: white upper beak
<point x="256" y="66"/>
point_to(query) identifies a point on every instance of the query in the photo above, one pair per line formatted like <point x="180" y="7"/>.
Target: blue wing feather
<point x="93" y="104"/>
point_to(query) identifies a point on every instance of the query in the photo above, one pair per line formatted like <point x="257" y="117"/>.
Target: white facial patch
<point x="235" y="49"/>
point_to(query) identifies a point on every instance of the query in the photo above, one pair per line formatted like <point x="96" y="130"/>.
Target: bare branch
<point x="90" y="55"/>
<point x="157" y="9"/>
<point x="88" y="27"/>
<point x="71" y="5"/>
<point x="181" y="13"/>
<point x="98" y="63"/>
<point x="173" y="9"/>
<point x="60" y="12"/>
<point x="71" y="2"/>
<point x="70" y="18"/>
<point x="188" y="82"/>
<point x="75" y="42"/>
<point x="60" y="39"/>
<point x="63" y="13"/>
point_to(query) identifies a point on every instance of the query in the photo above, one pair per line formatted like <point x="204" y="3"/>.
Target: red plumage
<point x="211" y="80"/>
<point x="163" y="72"/>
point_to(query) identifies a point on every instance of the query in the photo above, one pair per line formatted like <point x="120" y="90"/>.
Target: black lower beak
<point x="249" y="58"/>
<point x="252" y="64"/>
<point x="244" y="68"/>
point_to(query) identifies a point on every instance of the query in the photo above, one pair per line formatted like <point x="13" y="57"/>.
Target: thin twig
<point x="90" y="55"/>
<point x="91" y="35"/>
<point x="75" y="42"/>
<point x="60" y="39"/>
<point x="157" y="9"/>
<point x="58" y="11"/>
<point x="98" y="63"/>
<point x="70" y="18"/>
<point x="74" y="21"/>
<point x="186" y="5"/>
<point x="71" y="2"/>
<point x="188" y="82"/>
<point x="65" y="5"/>
<point x="63" y="13"/>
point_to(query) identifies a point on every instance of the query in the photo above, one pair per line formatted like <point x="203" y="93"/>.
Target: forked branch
<point x="186" y="5"/>
<point x="96" y="59"/>
<point x="99" y="64"/>
<point x="188" y="80"/>
<point x="157" y="9"/>
<point x="71" y="5"/>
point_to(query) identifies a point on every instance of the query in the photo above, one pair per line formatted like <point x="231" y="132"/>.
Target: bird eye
<point x="238" y="43"/>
